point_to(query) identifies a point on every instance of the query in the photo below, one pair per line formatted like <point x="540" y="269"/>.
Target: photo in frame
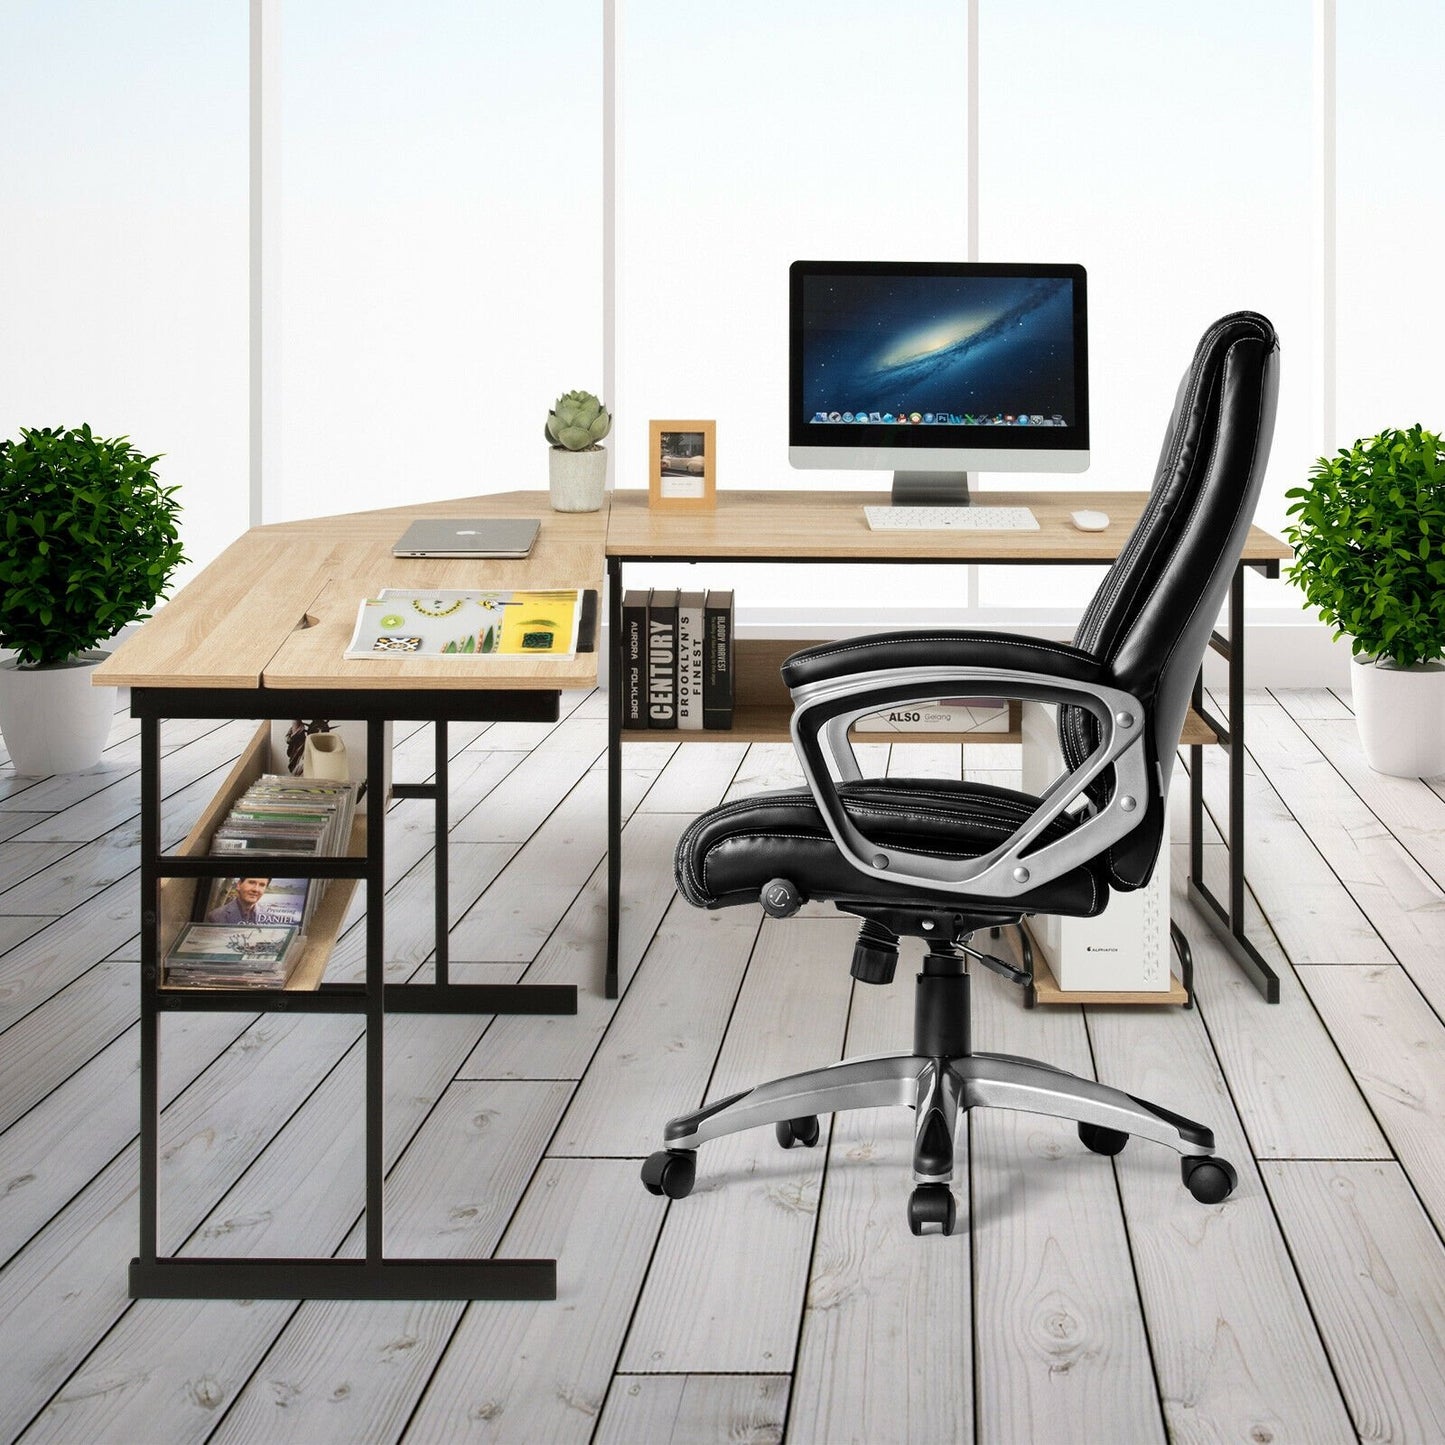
<point x="682" y="466"/>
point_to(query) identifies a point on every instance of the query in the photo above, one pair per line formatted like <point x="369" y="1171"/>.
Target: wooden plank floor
<point x="1085" y="1300"/>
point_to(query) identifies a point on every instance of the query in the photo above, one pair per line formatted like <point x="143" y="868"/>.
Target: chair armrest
<point x="835" y="685"/>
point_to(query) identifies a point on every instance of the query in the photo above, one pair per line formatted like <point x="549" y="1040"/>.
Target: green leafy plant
<point x="1369" y="541"/>
<point x="578" y="422"/>
<point x="91" y="541"/>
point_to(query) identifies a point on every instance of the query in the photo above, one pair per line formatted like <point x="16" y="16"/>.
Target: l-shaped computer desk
<point x="260" y="633"/>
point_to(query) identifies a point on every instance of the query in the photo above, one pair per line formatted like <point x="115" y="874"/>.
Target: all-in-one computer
<point x="936" y="369"/>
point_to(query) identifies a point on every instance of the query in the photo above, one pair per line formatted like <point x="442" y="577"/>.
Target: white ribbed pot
<point x="52" y="719"/>
<point x="1400" y="712"/>
<point x="577" y="480"/>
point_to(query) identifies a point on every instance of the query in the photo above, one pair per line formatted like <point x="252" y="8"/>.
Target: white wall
<point x="123" y="236"/>
<point x="441" y="227"/>
<point x="753" y="134"/>
<point x="1171" y="159"/>
<point x="1391" y="216"/>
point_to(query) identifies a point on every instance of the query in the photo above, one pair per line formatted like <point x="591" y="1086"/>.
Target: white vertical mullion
<point x="265" y="257"/>
<point x="970" y="572"/>
<point x="971" y="183"/>
<point x="611" y="60"/>
<point x="1325" y="216"/>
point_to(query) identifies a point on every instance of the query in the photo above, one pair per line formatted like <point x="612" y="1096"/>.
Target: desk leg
<point x="1227" y="923"/>
<point x="442" y="856"/>
<point x="614" y="771"/>
<point x="442" y="996"/>
<point x="375" y="989"/>
<point x="150" y="1103"/>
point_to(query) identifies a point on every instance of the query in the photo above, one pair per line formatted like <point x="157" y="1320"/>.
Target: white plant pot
<point x="577" y="480"/>
<point x="53" y="720"/>
<point x="1400" y="712"/>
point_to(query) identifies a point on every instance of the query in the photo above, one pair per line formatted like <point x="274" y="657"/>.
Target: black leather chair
<point x="942" y="861"/>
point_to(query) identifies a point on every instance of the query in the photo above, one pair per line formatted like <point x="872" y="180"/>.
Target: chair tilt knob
<point x="875" y="955"/>
<point x="780" y="898"/>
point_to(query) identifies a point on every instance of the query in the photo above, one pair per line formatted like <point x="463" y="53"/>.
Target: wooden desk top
<point x="277" y="607"/>
<point x="803" y="524"/>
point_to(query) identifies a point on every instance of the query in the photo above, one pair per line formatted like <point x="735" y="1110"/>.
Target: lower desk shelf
<point x="762" y="708"/>
<point x="178" y="894"/>
<point x="1047" y="991"/>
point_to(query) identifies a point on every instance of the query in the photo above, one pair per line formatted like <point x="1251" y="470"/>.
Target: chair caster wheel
<point x="1207" y="1178"/>
<point x="1102" y="1140"/>
<point x="931" y="1210"/>
<point x="803" y="1131"/>
<point x="671" y="1172"/>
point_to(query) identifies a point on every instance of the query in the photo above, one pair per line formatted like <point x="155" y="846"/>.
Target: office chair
<point x="942" y="861"/>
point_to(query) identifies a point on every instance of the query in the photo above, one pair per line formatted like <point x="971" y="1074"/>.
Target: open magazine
<point x="467" y="624"/>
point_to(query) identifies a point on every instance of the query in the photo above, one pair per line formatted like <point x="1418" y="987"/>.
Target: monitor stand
<point x="930" y="489"/>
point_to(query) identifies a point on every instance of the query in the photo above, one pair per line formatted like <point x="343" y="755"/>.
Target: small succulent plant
<point x="578" y="422"/>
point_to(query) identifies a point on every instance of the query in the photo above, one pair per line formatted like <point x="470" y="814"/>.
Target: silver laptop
<point x="480" y="537"/>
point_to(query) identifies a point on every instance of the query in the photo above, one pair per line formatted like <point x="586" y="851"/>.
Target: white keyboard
<point x="951" y="519"/>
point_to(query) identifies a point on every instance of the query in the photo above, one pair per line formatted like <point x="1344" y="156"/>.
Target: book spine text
<point x="717" y="682"/>
<point x="662" y="659"/>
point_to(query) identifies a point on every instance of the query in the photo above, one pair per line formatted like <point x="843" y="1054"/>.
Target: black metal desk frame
<point x="1225" y="919"/>
<point x="375" y="1276"/>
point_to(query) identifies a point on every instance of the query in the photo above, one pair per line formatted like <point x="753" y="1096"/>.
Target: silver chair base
<point x="938" y="1090"/>
<point x="940" y="1078"/>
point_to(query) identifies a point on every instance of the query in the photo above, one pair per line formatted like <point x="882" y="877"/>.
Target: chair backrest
<point x="1152" y="616"/>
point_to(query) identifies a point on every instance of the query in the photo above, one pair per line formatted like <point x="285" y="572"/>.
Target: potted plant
<point x="90" y="543"/>
<point x="1369" y="540"/>
<point x="577" y="473"/>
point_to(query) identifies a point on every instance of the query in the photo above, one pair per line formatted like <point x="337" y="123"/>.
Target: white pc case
<point x="1125" y="949"/>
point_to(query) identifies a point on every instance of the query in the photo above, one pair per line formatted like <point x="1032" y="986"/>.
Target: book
<point x="235" y="840"/>
<point x="662" y="658"/>
<point x="335" y="796"/>
<point x="947" y="715"/>
<point x="717" y="674"/>
<point x="226" y="955"/>
<point x="256" y="901"/>
<point x="689" y="659"/>
<point x="634" y="658"/>
<point x="466" y="625"/>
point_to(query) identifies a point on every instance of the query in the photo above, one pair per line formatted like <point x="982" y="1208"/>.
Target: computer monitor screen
<point x="939" y="368"/>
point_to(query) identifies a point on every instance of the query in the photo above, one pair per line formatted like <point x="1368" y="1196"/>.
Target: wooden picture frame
<point x="682" y="466"/>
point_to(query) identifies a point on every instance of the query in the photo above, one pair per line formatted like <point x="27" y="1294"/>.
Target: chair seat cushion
<point x="727" y="855"/>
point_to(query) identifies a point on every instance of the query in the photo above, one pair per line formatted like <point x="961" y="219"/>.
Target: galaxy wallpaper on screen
<point x="963" y="350"/>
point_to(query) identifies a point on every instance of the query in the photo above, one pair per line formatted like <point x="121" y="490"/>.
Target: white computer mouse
<point x="1087" y="521"/>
